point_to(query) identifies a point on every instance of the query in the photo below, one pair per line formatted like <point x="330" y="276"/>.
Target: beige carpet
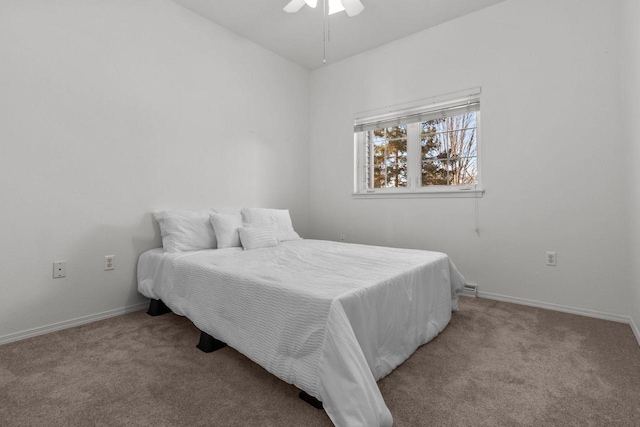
<point x="496" y="364"/>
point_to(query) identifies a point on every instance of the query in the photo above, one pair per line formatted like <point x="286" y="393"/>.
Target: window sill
<point x="432" y="193"/>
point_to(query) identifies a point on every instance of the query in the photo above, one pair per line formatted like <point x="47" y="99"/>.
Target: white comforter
<point x="330" y="318"/>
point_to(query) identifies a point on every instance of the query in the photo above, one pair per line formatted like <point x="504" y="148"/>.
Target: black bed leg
<point x="310" y="400"/>
<point x="209" y="344"/>
<point x="157" y="307"/>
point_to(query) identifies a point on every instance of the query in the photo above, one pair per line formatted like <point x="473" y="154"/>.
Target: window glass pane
<point x="434" y="172"/>
<point x="463" y="171"/>
<point x="468" y="141"/>
<point x="389" y="157"/>
<point x="433" y="144"/>
<point x="452" y="141"/>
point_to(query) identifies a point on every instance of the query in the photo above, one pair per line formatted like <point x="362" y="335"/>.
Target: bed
<point x="330" y="318"/>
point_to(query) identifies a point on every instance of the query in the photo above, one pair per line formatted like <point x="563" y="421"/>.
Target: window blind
<point x="419" y="114"/>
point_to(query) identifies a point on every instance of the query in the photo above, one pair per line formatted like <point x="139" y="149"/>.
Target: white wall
<point x="551" y="144"/>
<point x="111" y="109"/>
<point x="631" y="107"/>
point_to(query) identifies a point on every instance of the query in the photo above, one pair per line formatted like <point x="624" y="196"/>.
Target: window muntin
<point x="419" y="150"/>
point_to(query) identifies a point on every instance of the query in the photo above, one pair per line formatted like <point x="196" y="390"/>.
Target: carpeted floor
<point x="496" y="364"/>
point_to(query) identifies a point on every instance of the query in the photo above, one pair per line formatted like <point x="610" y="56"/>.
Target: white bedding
<point x="330" y="318"/>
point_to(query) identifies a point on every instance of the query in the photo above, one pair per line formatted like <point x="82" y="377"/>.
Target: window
<point x="424" y="150"/>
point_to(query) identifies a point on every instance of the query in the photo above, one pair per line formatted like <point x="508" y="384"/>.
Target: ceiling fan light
<point x="311" y="3"/>
<point x="335" y="6"/>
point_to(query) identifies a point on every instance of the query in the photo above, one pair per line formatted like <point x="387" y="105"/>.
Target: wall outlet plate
<point x="109" y="262"/>
<point x="59" y="269"/>
<point x="552" y="259"/>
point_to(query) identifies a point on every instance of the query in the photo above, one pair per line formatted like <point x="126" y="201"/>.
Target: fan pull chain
<point x="324" y="31"/>
<point x="328" y="27"/>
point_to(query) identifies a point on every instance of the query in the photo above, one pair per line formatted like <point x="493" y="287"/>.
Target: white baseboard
<point x="17" y="336"/>
<point x="558" y="307"/>
<point x="635" y="329"/>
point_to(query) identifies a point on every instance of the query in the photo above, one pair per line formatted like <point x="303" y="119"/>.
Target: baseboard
<point x="635" y="329"/>
<point x="558" y="307"/>
<point x="17" y="336"/>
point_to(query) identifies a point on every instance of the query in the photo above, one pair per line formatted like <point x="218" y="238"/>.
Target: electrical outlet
<point x="109" y="262"/>
<point x="342" y="237"/>
<point x="59" y="269"/>
<point x="552" y="259"/>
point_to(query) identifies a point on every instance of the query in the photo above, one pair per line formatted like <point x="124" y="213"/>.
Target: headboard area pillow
<point x="279" y="217"/>
<point x="226" y="229"/>
<point x="256" y="238"/>
<point x="185" y="230"/>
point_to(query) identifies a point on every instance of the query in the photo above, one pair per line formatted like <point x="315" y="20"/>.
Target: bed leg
<point x="209" y="344"/>
<point x="310" y="400"/>
<point x="157" y="307"/>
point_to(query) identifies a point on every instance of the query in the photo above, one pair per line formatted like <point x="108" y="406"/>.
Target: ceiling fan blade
<point x="335" y="6"/>
<point x="311" y="3"/>
<point x="294" y="6"/>
<point x="353" y="7"/>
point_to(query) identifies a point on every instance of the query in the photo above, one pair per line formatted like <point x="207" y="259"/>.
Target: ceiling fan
<point x="352" y="7"/>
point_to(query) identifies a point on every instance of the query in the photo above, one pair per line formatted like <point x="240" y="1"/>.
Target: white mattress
<point x="330" y="318"/>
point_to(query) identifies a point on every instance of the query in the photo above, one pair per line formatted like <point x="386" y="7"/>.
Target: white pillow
<point x="185" y="230"/>
<point x="279" y="217"/>
<point x="226" y="229"/>
<point x="255" y="238"/>
<point x="227" y="210"/>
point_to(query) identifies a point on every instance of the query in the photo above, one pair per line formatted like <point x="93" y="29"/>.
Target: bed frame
<point x="209" y="344"/>
<point x="157" y="307"/>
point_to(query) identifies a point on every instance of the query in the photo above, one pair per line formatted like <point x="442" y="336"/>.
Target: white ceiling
<point x="299" y="36"/>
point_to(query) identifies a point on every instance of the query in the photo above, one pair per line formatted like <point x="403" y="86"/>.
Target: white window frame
<point x="401" y="114"/>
